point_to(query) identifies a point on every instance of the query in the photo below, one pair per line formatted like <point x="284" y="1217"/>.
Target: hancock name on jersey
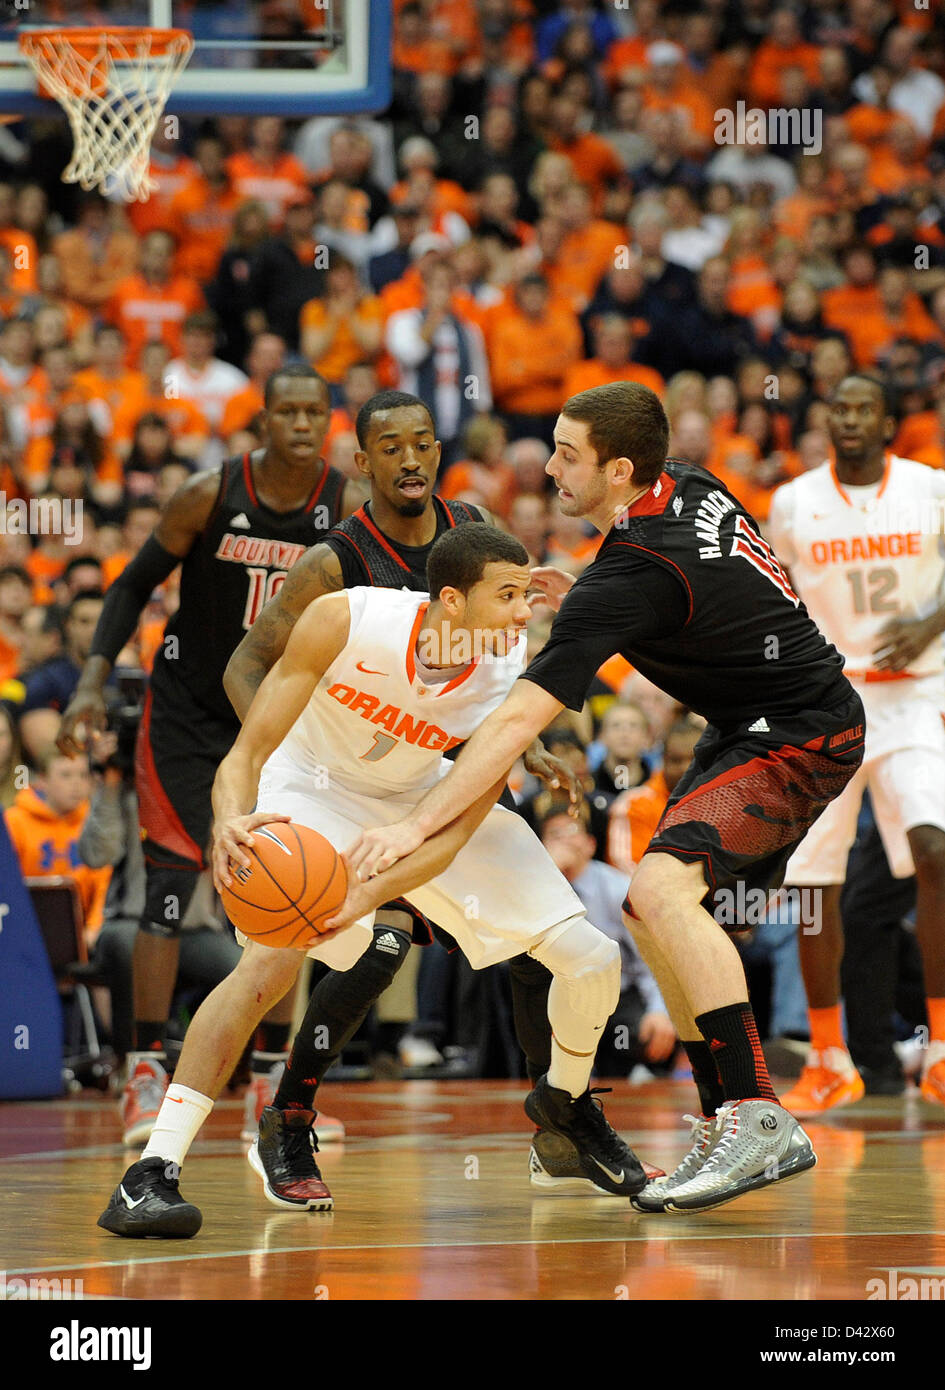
<point x="257" y="550"/>
<point x="712" y="511"/>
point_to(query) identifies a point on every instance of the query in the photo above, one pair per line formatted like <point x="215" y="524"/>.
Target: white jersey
<point x="860" y="556"/>
<point x="379" y="722"/>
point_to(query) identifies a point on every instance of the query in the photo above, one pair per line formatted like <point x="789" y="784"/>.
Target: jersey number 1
<point x="747" y="543"/>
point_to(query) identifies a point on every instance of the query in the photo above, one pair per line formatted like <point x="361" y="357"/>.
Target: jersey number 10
<point x="263" y="585"/>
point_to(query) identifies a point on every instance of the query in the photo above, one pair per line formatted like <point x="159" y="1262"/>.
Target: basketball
<point x="295" y="882"/>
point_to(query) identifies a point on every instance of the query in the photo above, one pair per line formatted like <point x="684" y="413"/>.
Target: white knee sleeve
<point x="587" y="964"/>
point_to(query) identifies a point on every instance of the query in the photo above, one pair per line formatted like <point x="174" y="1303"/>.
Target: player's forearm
<point x="427" y="862"/>
<point x="488" y="755"/>
<point x="95" y="673"/>
<point x="236" y="784"/>
<point x="245" y="672"/>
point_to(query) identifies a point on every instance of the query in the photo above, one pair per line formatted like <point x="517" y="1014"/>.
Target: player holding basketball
<point x="687" y="591"/>
<point x="387" y="543"/>
<point x="236" y="530"/>
<point x="863" y="540"/>
<point x="372" y="688"/>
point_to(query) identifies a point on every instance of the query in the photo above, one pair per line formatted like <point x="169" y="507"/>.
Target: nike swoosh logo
<point x="127" y="1200"/>
<point x="178" y="1100"/>
<point x="369" y="672"/>
<point x="614" y="1177"/>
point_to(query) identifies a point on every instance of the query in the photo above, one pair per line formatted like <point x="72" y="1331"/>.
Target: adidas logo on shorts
<point x="760" y="726"/>
<point x="389" y="943"/>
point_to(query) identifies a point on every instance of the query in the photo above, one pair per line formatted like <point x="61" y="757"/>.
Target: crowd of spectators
<point x="550" y="203"/>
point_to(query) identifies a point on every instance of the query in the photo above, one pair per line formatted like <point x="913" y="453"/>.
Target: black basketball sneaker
<point x="283" y="1154"/>
<point x="601" y="1155"/>
<point x="554" y="1165"/>
<point x="147" y="1202"/>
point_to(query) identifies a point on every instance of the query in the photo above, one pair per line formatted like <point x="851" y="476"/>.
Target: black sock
<point x="149" y="1036"/>
<point x="706" y="1075"/>
<point x="732" y="1036"/>
<point x="531" y="982"/>
<point x="338" y="1006"/>
<point x="273" y="1038"/>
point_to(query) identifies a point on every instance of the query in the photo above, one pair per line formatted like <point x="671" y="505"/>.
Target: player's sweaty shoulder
<point x="188" y="512"/>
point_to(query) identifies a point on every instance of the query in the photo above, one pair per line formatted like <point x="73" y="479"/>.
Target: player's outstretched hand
<point x="553" y="586"/>
<point x="553" y="771"/>
<point x="231" y="838"/>
<point x="901" y="641"/>
<point x="376" y="850"/>
<point x="85" y="719"/>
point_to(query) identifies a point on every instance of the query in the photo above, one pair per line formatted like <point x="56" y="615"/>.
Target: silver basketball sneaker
<point x="654" y="1195"/>
<point x="757" y="1143"/>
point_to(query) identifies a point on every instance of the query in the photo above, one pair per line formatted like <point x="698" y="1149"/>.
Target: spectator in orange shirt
<point x="445" y="203"/>
<point x="44" y="824"/>
<point x="344" y="327"/>
<point x="108" y="382"/>
<point x="267" y="354"/>
<point x="533" y="342"/>
<point x="414" y="49"/>
<point x="783" y="48"/>
<point x="170" y="170"/>
<point x="613" y="348"/>
<point x="671" y="87"/>
<point x="636" y="813"/>
<point x="266" y="172"/>
<point x="21" y="244"/>
<point x="201" y="212"/>
<point x="153" y="303"/>
<point x="97" y="254"/>
<point x="188" y="426"/>
<point x="588" y="249"/>
<point x="898" y="164"/>
<point x="74" y="460"/>
<point x="630" y="53"/>
<point x="483" y="473"/>
<point x="593" y="161"/>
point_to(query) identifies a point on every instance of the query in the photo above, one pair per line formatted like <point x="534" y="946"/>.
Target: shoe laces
<point x="701" y="1127"/>
<point x="726" y="1126"/>
<point x="592" y="1119"/>
<point x="299" y="1147"/>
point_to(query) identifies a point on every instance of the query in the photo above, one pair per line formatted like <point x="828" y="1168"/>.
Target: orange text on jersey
<point x="866" y="548"/>
<point x="419" y="732"/>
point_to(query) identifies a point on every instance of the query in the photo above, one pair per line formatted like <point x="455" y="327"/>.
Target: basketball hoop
<point x="113" y="85"/>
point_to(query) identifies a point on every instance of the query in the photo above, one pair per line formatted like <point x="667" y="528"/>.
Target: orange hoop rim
<point x="115" y="35"/>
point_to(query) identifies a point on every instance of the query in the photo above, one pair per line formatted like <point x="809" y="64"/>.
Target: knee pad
<point x="386" y="954"/>
<point x="587" y="963"/>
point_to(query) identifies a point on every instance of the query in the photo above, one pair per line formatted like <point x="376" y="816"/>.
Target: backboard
<point x="278" y="57"/>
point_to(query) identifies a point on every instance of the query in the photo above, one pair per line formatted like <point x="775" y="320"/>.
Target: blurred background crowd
<point x="546" y="206"/>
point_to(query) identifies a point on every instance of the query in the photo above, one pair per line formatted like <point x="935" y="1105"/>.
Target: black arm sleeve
<point x="616" y="603"/>
<point x="127" y="597"/>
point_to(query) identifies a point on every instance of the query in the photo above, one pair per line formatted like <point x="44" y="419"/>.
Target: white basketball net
<point x="113" y="86"/>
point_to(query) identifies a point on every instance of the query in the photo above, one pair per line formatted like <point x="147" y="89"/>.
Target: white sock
<point x="182" y="1113"/>
<point x="570" y="1071"/>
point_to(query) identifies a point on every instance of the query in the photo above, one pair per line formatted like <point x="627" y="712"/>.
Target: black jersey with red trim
<point x="238" y="562"/>
<point x="687" y="590"/>
<point x="367" y="556"/>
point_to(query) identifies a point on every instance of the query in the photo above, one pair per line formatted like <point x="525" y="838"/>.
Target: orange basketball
<point x="295" y="881"/>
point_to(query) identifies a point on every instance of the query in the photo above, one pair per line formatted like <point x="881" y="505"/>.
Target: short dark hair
<point x="625" y="420"/>
<point x="15" y="572"/>
<point x="300" y="371"/>
<point x="201" y="321"/>
<point x="886" y="393"/>
<point x="78" y="561"/>
<point x="458" y="559"/>
<point x="82" y="596"/>
<point x="386" y="400"/>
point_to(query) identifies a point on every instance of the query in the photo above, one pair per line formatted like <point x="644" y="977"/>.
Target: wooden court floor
<point x="432" y="1202"/>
